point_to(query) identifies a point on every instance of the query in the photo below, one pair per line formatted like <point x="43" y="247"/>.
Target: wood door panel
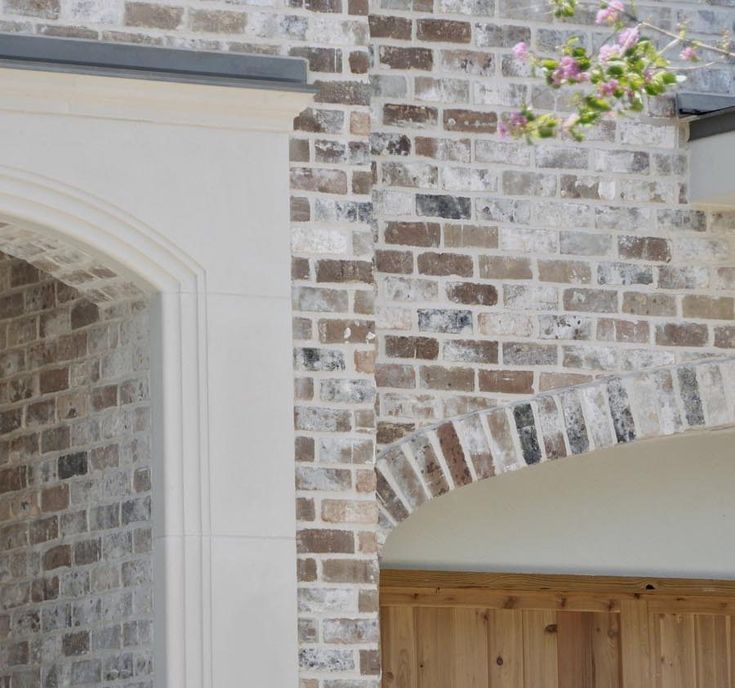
<point x="475" y="637"/>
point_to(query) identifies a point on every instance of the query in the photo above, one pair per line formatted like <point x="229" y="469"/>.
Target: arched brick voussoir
<point x="69" y="264"/>
<point x="574" y="420"/>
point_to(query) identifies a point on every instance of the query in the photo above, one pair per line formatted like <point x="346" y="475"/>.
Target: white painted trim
<point x="55" y="93"/>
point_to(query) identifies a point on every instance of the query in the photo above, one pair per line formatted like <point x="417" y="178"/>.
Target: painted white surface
<point x="183" y="188"/>
<point x="711" y="171"/>
<point x="664" y="507"/>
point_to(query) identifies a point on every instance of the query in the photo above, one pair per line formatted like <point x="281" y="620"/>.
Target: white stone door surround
<point x="183" y="188"/>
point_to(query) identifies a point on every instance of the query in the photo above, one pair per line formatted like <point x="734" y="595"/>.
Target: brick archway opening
<point x="575" y="420"/>
<point x="76" y="581"/>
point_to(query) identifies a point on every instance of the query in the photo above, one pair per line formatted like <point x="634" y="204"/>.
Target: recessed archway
<point x="120" y="290"/>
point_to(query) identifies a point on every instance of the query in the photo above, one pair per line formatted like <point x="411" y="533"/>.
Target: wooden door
<point x="465" y="630"/>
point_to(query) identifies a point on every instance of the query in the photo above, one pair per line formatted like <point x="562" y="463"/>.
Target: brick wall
<point x="75" y="504"/>
<point x="505" y="269"/>
<point x="501" y="269"/>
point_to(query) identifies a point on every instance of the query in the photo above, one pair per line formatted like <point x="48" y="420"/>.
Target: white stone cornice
<point x="165" y="102"/>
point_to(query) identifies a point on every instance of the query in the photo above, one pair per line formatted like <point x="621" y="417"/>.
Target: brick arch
<point x="91" y="276"/>
<point x="575" y="420"/>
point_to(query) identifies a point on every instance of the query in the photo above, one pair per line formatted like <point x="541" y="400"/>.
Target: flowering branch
<point x="627" y="69"/>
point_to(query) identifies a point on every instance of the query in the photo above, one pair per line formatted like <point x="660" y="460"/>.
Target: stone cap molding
<point x="575" y="420"/>
<point x="165" y="102"/>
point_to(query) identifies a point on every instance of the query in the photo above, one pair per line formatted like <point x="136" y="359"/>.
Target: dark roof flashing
<point x="708" y="115"/>
<point x="75" y="56"/>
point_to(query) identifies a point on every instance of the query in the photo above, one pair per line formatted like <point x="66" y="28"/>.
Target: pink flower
<point x="518" y="120"/>
<point x="608" y="88"/>
<point x="568" y="70"/>
<point x="627" y="38"/>
<point x="503" y="130"/>
<point x="520" y="51"/>
<point x="609" y="12"/>
<point x="688" y="54"/>
<point x="608" y="52"/>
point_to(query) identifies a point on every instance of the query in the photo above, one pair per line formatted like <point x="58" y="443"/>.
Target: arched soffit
<point x="87" y="242"/>
<point x="575" y="420"/>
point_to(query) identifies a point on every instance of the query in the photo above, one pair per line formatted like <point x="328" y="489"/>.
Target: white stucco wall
<point x="663" y="508"/>
<point x="154" y="176"/>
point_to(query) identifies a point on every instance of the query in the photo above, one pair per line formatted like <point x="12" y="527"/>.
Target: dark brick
<point x="472" y="293"/>
<point x="411" y="347"/>
<point x="390" y="27"/>
<point x="444" y="30"/>
<point x="84" y="313"/>
<point x="325" y="541"/>
<point x="406" y="58"/>
<point x="329" y="270"/>
<point x="470" y="120"/>
<point x="72" y="464"/>
<point x="451" y="207"/>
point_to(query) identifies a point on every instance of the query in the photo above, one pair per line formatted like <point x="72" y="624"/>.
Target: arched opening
<point x="481" y="586"/>
<point x="76" y="453"/>
<point x="92" y="397"/>
<point x="655" y="508"/>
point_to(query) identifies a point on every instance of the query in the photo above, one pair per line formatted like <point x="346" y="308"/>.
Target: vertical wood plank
<point x="605" y="629"/>
<point x="505" y="648"/>
<point x="398" y="642"/>
<point x="435" y="645"/>
<point x="678" y="663"/>
<point x="470" y="648"/>
<point x="635" y="644"/>
<point x="576" y="664"/>
<point x="712" y="647"/>
<point x="540" y="669"/>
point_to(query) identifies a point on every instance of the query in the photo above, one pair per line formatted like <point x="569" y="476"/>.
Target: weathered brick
<point x="443" y="30"/>
<point x="653" y="249"/>
<point x="506" y="381"/>
<point x="451" y="207"/>
<point x="445" y="264"/>
<point x="640" y="303"/>
<point x="405" y="58"/>
<point x="399" y="115"/>
<point x="470" y="120"/>
<point x="153" y="16"/>
<point x="324" y="541"/>
<point x="591" y="300"/>
<point x="564" y="271"/>
<point x="504" y="268"/>
<point x="470" y="351"/>
<point x="411" y="347"/>
<point x="390" y="27"/>
<point x="708" y="307"/>
<point x="472" y="293"/>
<point x="459" y="236"/>
<point x="328" y="270"/>
<point x="681" y="334"/>
<point x="413" y="233"/>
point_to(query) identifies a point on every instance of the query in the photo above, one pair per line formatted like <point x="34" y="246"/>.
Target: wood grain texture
<point x="611" y="585"/>
<point x="540" y="666"/>
<point x="635" y="644"/>
<point x="518" y="637"/>
<point x="400" y="666"/>
<point x="505" y="643"/>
